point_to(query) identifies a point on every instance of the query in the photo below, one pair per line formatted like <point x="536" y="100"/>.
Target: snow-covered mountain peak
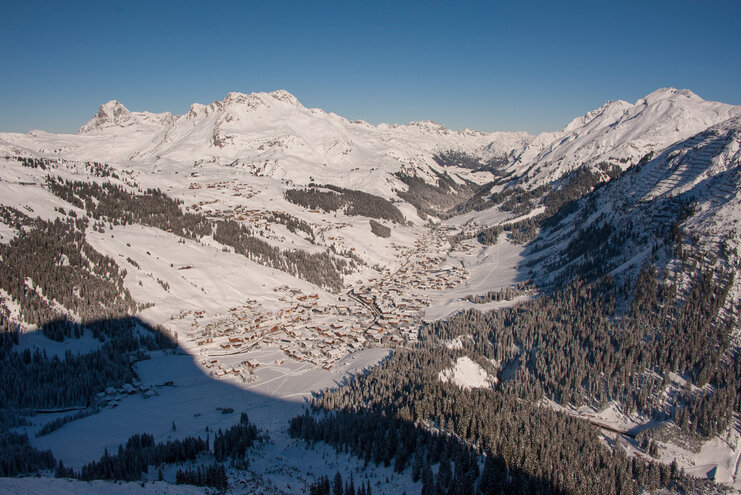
<point x="668" y="94"/>
<point x="114" y="115"/>
<point x="609" y="109"/>
<point x="109" y="114"/>
<point x="260" y="99"/>
<point x="622" y="132"/>
<point x="244" y="102"/>
<point x="429" y="125"/>
<point x="113" y="110"/>
<point x="285" y="97"/>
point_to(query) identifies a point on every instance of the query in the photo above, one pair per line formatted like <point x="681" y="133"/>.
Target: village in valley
<point x="319" y="330"/>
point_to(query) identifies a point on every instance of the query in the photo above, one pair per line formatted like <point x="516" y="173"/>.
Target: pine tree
<point x="428" y="481"/>
<point x="337" y="484"/>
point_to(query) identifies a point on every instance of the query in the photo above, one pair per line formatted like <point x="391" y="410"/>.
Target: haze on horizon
<point x="489" y="67"/>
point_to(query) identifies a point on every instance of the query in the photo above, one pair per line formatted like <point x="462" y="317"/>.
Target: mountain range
<point x="253" y="253"/>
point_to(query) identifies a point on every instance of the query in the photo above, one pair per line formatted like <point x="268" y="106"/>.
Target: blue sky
<point x="483" y="65"/>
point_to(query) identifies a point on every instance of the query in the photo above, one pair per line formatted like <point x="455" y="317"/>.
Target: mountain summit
<point x="113" y="115"/>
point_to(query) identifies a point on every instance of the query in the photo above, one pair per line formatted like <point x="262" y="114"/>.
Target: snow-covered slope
<point x="270" y="134"/>
<point x="467" y="374"/>
<point x="114" y="116"/>
<point x="621" y="133"/>
<point x="274" y="135"/>
<point x="693" y="184"/>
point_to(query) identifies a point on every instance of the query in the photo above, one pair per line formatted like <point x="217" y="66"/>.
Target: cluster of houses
<point x="399" y="297"/>
<point x="309" y="328"/>
<point x="238" y="190"/>
<point x="306" y="329"/>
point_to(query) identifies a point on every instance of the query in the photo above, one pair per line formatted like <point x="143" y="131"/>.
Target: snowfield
<point x="491" y="268"/>
<point x="256" y="339"/>
<point x="467" y="374"/>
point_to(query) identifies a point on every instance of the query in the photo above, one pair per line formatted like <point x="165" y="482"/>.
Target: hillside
<point x="162" y="273"/>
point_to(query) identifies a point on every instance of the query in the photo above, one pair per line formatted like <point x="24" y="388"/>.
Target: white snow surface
<point x="491" y="268"/>
<point x="467" y="374"/>
<point x="620" y="130"/>
<point x="270" y="134"/>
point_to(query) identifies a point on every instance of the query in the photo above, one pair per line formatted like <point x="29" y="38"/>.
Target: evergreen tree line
<point x="559" y="203"/>
<point x="213" y="475"/>
<point x="17" y="456"/>
<point x="559" y="199"/>
<point x="9" y="330"/>
<point x="434" y="199"/>
<point x="574" y="186"/>
<point x="379" y="229"/>
<point x="529" y="448"/>
<point x="520" y="232"/>
<point x="594" y="235"/>
<point x="12" y="418"/>
<point x="360" y="203"/>
<point x="292" y="223"/>
<point x="455" y="158"/>
<point x="567" y="346"/>
<point x="355" y="203"/>
<point x="134" y="458"/>
<point x="234" y="442"/>
<point x="481" y="199"/>
<point x="519" y="201"/>
<point x="140" y="452"/>
<point x="504" y="294"/>
<point x="93" y="168"/>
<point x="321" y="269"/>
<point x="389" y="441"/>
<point x="154" y="208"/>
<point x="36" y="380"/>
<point x="323" y="486"/>
<point x="315" y="199"/>
<point x="31" y="162"/>
<point x="57" y="423"/>
<point x="50" y="262"/>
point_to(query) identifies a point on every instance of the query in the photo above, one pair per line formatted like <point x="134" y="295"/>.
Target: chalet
<point x="334" y="353"/>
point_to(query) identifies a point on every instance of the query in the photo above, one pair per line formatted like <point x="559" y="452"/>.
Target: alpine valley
<point x="258" y="297"/>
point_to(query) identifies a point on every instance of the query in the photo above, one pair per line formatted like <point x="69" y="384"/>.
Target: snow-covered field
<point x="46" y="486"/>
<point x="467" y="374"/>
<point x="490" y="267"/>
<point x="192" y="400"/>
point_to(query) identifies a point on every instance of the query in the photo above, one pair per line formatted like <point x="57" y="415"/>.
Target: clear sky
<point x="511" y="65"/>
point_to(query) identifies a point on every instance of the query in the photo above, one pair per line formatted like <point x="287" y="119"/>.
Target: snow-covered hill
<point x="686" y="200"/>
<point x="270" y="134"/>
<point x="274" y="135"/>
<point x="621" y="133"/>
